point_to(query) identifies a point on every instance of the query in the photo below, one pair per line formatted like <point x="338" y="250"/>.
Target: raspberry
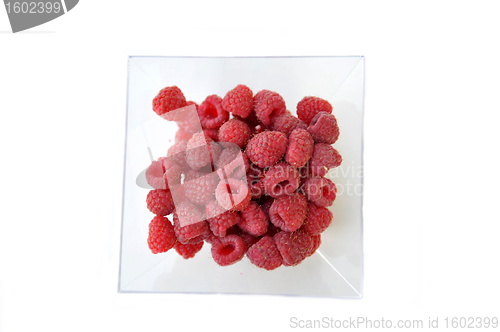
<point x="228" y="250"/>
<point x="213" y="134"/>
<point x="177" y="153"/>
<point x="293" y="247"/>
<point x="188" y="250"/>
<point x="168" y="99"/>
<point x="268" y="104"/>
<point x="201" y="151"/>
<point x="308" y="107"/>
<point x="211" y="114"/>
<point x="253" y="220"/>
<point x="281" y="179"/>
<point x="238" y="101"/>
<point x="233" y="194"/>
<point x="320" y="191"/>
<point x="324" y="158"/>
<point x="300" y="148"/>
<point x="289" y="212"/>
<point x="324" y="128"/>
<point x="232" y="163"/>
<point x="161" y="236"/>
<point x="154" y="175"/>
<point x="267" y="148"/>
<point x="316" y="242"/>
<point x="199" y="188"/>
<point x="286" y="123"/>
<point x="265" y="254"/>
<point x="189" y="223"/>
<point x="160" y="202"/>
<point x="219" y="219"/>
<point x="235" y="131"/>
<point x="255" y="181"/>
<point x="318" y="219"/>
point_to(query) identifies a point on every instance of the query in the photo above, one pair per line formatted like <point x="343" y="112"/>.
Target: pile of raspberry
<point x="245" y="176"/>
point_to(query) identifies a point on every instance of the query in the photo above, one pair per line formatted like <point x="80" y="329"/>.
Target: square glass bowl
<point x="336" y="269"/>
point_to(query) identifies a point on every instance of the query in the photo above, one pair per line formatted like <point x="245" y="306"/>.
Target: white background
<point x="431" y="157"/>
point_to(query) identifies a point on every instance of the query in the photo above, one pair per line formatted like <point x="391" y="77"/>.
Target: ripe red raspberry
<point x="253" y="220"/>
<point x="281" y="179"/>
<point x="320" y="191"/>
<point x="154" y="175"/>
<point x="318" y="220"/>
<point x="308" y="107"/>
<point x="232" y="163"/>
<point x="293" y="247"/>
<point x="160" y="202"/>
<point x="233" y="194"/>
<point x="201" y="151"/>
<point x="213" y="134"/>
<point x="238" y="101"/>
<point x="316" y="242"/>
<point x="300" y="148"/>
<point x="177" y="154"/>
<point x="168" y="99"/>
<point x="324" y="128"/>
<point x="255" y="181"/>
<point x="268" y="104"/>
<point x="288" y="212"/>
<point x="286" y="123"/>
<point x="219" y="219"/>
<point x="188" y="250"/>
<point x="161" y="236"/>
<point x="267" y="148"/>
<point x="199" y="188"/>
<point x="324" y="158"/>
<point x="228" y="250"/>
<point x="235" y="131"/>
<point x="265" y="254"/>
<point x="211" y="114"/>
